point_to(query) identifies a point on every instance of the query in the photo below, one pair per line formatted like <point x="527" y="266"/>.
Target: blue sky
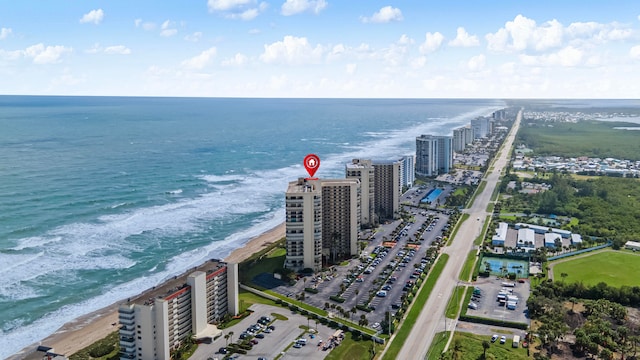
<point x="321" y="48"/>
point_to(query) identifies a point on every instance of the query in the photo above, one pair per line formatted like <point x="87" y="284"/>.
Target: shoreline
<point x="85" y="330"/>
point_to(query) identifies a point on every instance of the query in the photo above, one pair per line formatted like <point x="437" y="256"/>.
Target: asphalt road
<point x="419" y="340"/>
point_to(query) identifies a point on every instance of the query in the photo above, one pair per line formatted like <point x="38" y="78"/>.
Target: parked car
<point x="503" y="339"/>
<point x="222" y="350"/>
<point x="260" y="336"/>
<point x="494" y="338"/>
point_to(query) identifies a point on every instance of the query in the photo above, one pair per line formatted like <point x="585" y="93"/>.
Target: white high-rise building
<point x="408" y="170"/>
<point x="481" y="127"/>
<point x="158" y="320"/>
<point x="462" y="137"/>
<point x="303" y="206"/>
<point x="434" y="155"/>
<point x="363" y="171"/>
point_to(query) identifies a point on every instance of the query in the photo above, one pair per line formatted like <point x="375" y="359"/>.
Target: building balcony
<point x="127" y="332"/>
<point x="127" y="344"/>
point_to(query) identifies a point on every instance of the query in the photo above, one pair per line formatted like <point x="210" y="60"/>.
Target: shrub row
<point x="337" y="298"/>
<point x="311" y="290"/>
<point x="495" y="322"/>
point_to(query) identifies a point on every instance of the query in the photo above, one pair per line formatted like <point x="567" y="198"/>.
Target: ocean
<point x="103" y="197"/>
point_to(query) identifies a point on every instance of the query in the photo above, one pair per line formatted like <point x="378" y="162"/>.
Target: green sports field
<point x="612" y="267"/>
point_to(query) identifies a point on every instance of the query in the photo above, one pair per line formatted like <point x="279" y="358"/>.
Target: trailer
<point x="509" y="284"/>
<point x="516" y="341"/>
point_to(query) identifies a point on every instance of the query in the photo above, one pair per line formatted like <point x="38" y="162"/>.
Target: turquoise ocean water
<point x="103" y="197"/>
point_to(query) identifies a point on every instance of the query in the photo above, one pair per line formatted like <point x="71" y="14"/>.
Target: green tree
<point x="485" y="346"/>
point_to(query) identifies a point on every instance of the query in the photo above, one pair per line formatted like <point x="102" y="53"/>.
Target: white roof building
<point x="576" y="239"/>
<point x="526" y="238"/>
<point x="501" y="234"/>
<point x="550" y="239"/>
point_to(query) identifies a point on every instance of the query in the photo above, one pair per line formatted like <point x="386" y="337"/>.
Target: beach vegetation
<point x="107" y="348"/>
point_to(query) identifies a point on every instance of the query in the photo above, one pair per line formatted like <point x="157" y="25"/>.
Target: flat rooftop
<point x="176" y="283"/>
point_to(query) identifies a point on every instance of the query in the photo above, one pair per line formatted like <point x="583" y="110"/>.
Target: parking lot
<point x="284" y="335"/>
<point x="382" y="270"/>
<point x="488" y="305"/>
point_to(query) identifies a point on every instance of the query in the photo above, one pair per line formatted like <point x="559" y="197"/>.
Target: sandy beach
<point x="85" y="330"/>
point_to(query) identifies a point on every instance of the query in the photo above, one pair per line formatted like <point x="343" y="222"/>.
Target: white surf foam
<point x="260" y="192"/>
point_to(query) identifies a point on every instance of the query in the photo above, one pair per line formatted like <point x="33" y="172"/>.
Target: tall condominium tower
<point x="162" y="318"/>
<point x="363" y="171"/>
<point x="462" y="137"/>
<point x="434" y="155"/>
<point x="340" y="218"/>
<point x="481" y="127"/>
<point x="303" y="206"/>
<point x="387" y="175"/>
<point x="408" y="170"/>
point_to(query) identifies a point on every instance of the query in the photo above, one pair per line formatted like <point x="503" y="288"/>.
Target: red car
<point x="254" y="341"/>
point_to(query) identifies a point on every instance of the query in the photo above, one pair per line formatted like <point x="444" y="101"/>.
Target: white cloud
<point x="523" y="33"/>
<point x="5" y="32"/>
<point x="384" y="15"/>
<point x="477" y="63"/>
<point x="246" y="15"/>
<point x="237" y="60"/>
<point x="566" y="57"/>
<point x="418" y="62"/>
<point x="431" y="43"/>
<point x="597" y="32"/>
<point x="237" y="9"/>
<point x="117" y="49"/>
<point x="634" y="52"/>
<point x="292" y="50"/>
<point x="43" y="54"/>
<point x="405" y="40"/>
<point x="463" y="39"/>
<point x="351" y="68"/>
<point x="292" y="7"/>
<point x="167" y="29"/>
<point x="146" y="25"/>
<point x="224" y="5"/>
<point x="93" y="16"/>
<point x="200" y="61"/>
<point x="195" y="37"/>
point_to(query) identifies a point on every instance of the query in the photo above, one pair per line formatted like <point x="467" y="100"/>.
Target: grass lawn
<point x="467" y="268"/>
<point x="351" y="349"/>
<point x="454" y="302"/>
<point x="611" y="267"/>
<point x="508" y="217"/>
<point x="270" y="262"/>
<point x="469" y="346"/>
<point x="437" y="345"/>
<point x="480" y="238"/>
<point x="462" y="219"/>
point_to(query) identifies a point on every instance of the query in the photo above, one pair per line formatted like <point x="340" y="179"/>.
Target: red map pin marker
<point x="311" y="163"/>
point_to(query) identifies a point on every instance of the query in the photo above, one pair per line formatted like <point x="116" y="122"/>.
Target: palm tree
<point x="226" y="337"/>
<point x="485" y="346"/>
<point x="563" y="275"/>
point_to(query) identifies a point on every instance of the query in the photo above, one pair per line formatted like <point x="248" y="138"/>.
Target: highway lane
<point x="427" y="324"/>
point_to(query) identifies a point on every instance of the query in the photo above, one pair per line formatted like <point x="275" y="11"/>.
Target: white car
<point x="375" y="325"/>
<point x="381" y="293"/>
<point x="503" y="339"/>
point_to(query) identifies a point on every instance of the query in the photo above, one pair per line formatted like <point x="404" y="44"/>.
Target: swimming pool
<point x="431" y="196"/>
